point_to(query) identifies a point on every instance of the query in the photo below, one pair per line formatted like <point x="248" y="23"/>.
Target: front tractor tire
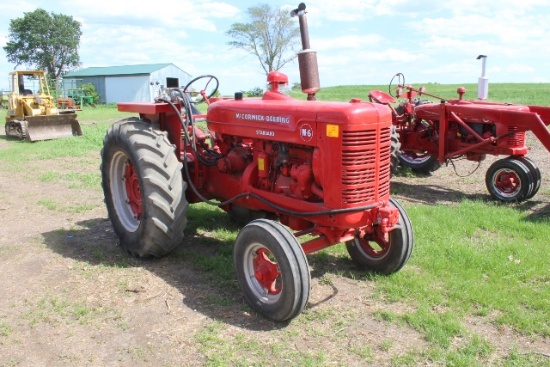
<point x="535" y="172"/>
<point x="510" y="180"/>
<point x="385" y="255"/>
<point x="143" y="187"/>
<point x="272" y="270"/>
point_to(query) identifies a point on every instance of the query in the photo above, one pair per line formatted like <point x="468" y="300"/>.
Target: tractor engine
<point x="281" y="168"/>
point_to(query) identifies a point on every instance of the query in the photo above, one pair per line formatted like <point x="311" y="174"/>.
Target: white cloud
<point x="173" y="14"/>
<point x="351" y="10"/>
<point x="128" y="44"/>
<point x="358" y="42"/>
<point x="349" y="42"/>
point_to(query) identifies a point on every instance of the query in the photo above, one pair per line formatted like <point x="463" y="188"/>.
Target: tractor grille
<point x="365" y="165"/>
<point x="517" y="139"/>
<point x="384" y="173"/>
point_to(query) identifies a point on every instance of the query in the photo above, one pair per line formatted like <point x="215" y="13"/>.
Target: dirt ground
<point x="69" y="295"/>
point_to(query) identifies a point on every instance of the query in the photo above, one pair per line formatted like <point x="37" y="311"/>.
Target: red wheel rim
<point x="507" y="181"/>
<point x="267" y="272"/>
<point x="133" y="190"/>
<point x="375" y="247"/>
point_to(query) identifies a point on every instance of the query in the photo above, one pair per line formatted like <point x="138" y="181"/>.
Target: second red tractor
<point x="435" y="133"/>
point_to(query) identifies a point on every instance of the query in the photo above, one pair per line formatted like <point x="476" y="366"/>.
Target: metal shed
<point x="129" y="83"/>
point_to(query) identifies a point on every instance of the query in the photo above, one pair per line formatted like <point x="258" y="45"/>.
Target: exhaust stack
<point x="307" y="58"/>
<point x="483" y="81"/>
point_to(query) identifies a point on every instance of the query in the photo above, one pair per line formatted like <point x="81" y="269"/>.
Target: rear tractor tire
<point x="395" y="150"/>
<point x="510" y="180"/>
<point x="423" y="164"/>
<point x="143" y="187"/>
<point x="385" y="255"/>
<point x="272" y="270"/>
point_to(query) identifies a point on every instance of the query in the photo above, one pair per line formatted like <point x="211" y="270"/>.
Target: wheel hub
<point x="133" y="190"/>
<point x="266" y="272"/>
<point x="507" y="181"/>
<point x="376" y="246"/>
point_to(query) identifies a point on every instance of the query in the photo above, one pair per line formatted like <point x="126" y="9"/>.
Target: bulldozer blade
<point x="52" y="127"/>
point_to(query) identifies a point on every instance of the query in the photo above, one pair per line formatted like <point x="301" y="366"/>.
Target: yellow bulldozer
<point x="32" y="113"/>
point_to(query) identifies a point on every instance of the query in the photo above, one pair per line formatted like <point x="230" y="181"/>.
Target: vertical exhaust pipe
<point x="307" y="58"/>
<point x="483" y="81"/>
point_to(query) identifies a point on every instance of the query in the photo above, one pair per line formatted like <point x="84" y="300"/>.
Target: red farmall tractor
<point x="434" y="133"/>
<point x="311" y="174"/>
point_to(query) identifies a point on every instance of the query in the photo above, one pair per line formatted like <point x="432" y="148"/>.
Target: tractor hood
<point x="283" y="118"/>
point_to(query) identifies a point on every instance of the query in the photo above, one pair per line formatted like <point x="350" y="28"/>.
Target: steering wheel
<point x="400" y="83"/>
<point x="205" y="93"/>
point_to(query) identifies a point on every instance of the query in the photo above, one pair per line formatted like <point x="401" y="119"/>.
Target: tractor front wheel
<point x="535" y="172"/>
<point x="272" y="270"/>
<point x="509" y="180"/>
<point x="143" y="187"/>
<point x="388" y="254"/>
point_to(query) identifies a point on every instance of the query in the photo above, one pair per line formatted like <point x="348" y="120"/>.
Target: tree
<point x="270" y="36"/>
<point x="44" y="41"/>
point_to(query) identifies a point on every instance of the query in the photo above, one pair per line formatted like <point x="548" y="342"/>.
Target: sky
<point x="360" y="42"/>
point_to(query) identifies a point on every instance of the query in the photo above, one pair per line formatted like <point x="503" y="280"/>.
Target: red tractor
<point x="434" y="133"/>
<point x="318" y="172"/>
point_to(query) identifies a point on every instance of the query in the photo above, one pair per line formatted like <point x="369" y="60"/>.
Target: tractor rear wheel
<point x="388" y="254"/>
<point x="423" y="164"/>
<point x="395" y="150"/>
<point x="143" y="187"/>
<point x="509" y="180"/>
<point x="272" y="270"/>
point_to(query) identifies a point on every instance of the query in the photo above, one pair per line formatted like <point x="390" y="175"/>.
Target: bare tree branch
<point x="271" y="36"/>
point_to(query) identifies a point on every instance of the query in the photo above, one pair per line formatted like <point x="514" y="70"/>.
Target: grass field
<point x="474" y="261"/>
<point x="529" y="94"/>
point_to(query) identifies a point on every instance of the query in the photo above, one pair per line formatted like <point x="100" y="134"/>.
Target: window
<point x="172" y="82"/>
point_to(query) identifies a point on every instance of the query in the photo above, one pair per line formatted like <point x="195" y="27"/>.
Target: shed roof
<point x="139" y="69"/>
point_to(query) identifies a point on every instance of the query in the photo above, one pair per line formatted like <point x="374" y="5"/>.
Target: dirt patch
<point x="72" y="297"/>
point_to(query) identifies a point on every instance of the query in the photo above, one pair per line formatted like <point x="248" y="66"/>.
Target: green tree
<point x="44" y="41"/>
<point x="271" y="36"/>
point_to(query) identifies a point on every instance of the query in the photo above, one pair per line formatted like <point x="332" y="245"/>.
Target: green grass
<point x="57" y="206"/>
<point x="55" y="310"/>
<point x="246" y="350"/>
<point x="101" y="113"/>
<point x="94" y="123"/>
<point x="5" y="329"/>
<point x="90" y="142"/>
<point x="530" y="94"/>
<point x="479" y="259"/>
<point x="74" y="180"/>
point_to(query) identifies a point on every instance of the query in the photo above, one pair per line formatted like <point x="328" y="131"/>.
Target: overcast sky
<point x="361" y="42"/>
